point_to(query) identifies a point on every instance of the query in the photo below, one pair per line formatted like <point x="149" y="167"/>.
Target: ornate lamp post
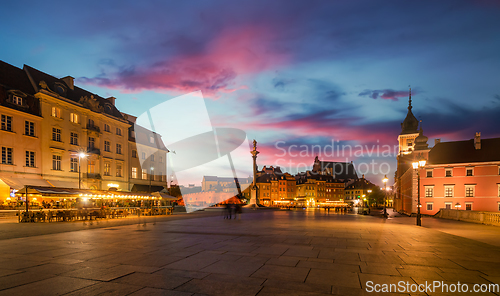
<point x="80" y="156"/>
<point x="253" y="195"/>
<point x="416" y="166"/>
<point x="385" y="195"/>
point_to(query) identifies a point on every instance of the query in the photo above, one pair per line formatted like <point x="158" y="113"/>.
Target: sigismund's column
<point x="253" y="194"/>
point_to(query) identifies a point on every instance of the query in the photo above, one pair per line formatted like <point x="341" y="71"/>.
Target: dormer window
<point x="17" y="100"/>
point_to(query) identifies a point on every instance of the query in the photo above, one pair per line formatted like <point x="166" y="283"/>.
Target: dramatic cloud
<point x="386" y="94"/>
<point x="232" y="53"/>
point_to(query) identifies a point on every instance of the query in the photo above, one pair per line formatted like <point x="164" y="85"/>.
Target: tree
<point x="376" y="196"/>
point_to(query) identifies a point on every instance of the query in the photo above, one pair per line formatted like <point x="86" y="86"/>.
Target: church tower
<point x="409" y="132"/>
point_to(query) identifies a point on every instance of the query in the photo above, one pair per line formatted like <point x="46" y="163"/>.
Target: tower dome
<point x="410" y="124"/>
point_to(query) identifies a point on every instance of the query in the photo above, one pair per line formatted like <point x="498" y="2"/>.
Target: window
<point x="499" y="206"/>
<point x="17" y="100"/>
<point x="106" y="128"/>
<point x="151" y="140"/>
<point x="90" y="166"/>
<point x="30" y="159"/>
<point x="56" y="134"/>
<point x="6" y="155"/>
<point x="119" y="170"/>
<point x="429" y="206"/>
<point x="134" y="153"/>
<point x="73" y="140"/>
<point x="118" y="148"/>
<point x="448" y="173"/>
<point x="134" y="173"/>
<point x="107" y="169"/>
<point x="29" y="128"/>
<point x="56" y="112"/>
<point x="468" y="206"/>
<point x="152" y="157"/>
<point x="91" y="122"/>
<point x="469" y="171"/>
<point x="73" y="164"/>
<point x="429" y="191"/>
<point x="107" y="146"/>
<point x="469" y="191"/>
<point x="144" y="174"/>
<point x="91" y="143"/>
<point x="447" y="205"/>
<point x="56" y="162"/>
<point x="7" y="123"/>
<point x="448" y="191"/>
<point x="143" y="155"/>
<point x="429" y="174"/>
<point x="73" y="117"/>
<point x="118" y="131"/>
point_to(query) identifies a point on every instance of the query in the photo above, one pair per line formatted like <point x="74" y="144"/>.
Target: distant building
<point x="318" y="190"/>
<point x="356" y="192"/>
<point x="341" y="171"/>
<point x="462" y="173"/>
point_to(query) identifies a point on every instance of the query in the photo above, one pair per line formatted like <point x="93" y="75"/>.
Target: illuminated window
<point x="56" y="134"/>
<point x="7" y="123"/>
<point x="7" y="155"/>
<point x="448" y="191"/>
<point x="73" y="117"/>
<point x="29" y="128"/>
<point x="91" y="166"/>
<point x="134" y="173"/>
<point x="429" y="191"/>
<point x="144" y="174"/>
<point x="119" y="170"/>
<point x="56" y="112"/>
<point x="107" y="169"/>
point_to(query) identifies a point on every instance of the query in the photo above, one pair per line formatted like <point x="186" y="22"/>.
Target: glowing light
<point x="113" y="185"/>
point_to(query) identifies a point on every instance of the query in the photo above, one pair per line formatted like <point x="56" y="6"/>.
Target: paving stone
<point x="298" y="286"/>
<point x="332" y="277"/>
<point x="218" y="288"/>
<point x="282" y="272"/>
<point x="283" y="261"/>
<point x="159" y="292"/>
<point x="330" y="266"/>
<point x="100" y="274"/>
<point x="103" y="288"/>
<point x="51" y="286"/>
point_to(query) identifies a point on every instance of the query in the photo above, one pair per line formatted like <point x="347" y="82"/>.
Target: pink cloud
<point x="232" y="53"/>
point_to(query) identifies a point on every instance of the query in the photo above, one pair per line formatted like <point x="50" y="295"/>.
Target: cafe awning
<point x="164" y="196"/>
<point x="20" y="183"/>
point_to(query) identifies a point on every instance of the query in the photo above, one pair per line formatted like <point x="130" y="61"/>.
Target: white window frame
<point x="6" y="123"/>
<point x="5" y="155"/>
<point x="73" y="138"/>
<point x="29" y="128"/>
<point x="144" y="174"/>
<point x="134" y="173"/>
<point x="446" y="172"/>
<point x="427" y="204"/>
<point x="427" y="173"/>
<point x="448" y="203"/>
<point x="473" y="187"/>
<point x="431" y="189"/>
<point x="467" y="169"/>
<point x="30" y="159"/>
<point x="471" y="206"/>
<point x="56" y="134"/>
<point x="17" y="100"/>
<point x="119" y="170"/>
<point x="107" y="169"/>
<point x="56" y="162"/>
<point x="73" y="164"/>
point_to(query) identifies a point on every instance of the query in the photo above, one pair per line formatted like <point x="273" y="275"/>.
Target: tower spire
<point x="409" y="103"/>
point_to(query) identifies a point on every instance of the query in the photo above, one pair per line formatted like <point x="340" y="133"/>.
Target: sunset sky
<point x="286" y="72"/>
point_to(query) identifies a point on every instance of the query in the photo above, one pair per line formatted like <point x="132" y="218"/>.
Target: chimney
<point x="363" y="176"/>
<point x="437" y="141"/>
<point x="69" y="82"/>
<point x="111" y="100"/>
<point x="477" y="141"/>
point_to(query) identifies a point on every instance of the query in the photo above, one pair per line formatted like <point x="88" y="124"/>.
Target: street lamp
<point x="416" y="165"/>
<point x="458" y="206"/>
<point x="80" y="156"/>
<point x="385" y="195"/>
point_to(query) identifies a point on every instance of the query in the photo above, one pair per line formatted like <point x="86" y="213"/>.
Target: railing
<point x="93" y="176"/>
<point x="490" y="218"/>
<point x="93" y="150"/>
<point x="93" y="128"/>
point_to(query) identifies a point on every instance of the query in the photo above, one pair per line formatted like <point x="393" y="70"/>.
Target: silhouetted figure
<point x="227" y="214"/>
